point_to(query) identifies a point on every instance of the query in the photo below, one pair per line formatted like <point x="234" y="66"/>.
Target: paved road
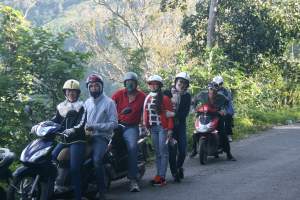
<point x="268" y="168"/>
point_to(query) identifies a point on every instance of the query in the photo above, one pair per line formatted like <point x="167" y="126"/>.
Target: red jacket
<point x="122" y="101"/>
<point x="165" y="115"/>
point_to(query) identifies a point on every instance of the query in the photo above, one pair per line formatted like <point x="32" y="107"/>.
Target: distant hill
<point x="41" y="12"/>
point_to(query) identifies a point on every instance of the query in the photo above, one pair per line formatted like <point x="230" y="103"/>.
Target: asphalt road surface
<point x="267" y="168"/>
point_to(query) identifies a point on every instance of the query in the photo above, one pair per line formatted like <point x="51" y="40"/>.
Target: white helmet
<point x="183" y="75"/>
<point x="155" y="78"/>
<point x="218" y="80"/>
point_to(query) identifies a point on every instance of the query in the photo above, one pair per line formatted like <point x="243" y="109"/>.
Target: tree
<point x="33" y="68"/>
<point x="212" y="18"/>
<point x="130" y="35"/>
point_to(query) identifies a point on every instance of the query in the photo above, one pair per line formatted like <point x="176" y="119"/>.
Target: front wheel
<point x="22" y="188"/>
<point x="2" y="193"/>
<point x="203" y="152"/>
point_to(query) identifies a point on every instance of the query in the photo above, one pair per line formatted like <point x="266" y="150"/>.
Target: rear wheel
<point x="203" y="152"/>
<point x="107" y="180"/>
<point x="21" y="188"/>
<point x="142" y="170"/>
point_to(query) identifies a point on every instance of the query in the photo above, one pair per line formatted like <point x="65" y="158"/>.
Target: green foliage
<point x="33" y="67"/>
<point x="172" y="4"/>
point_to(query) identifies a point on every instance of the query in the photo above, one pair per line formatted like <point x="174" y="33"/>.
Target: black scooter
<point x="6" y="159"/>
<point x="115" y="164"/>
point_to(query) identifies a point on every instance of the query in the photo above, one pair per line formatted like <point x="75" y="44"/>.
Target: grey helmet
<point x="130" y="76"/>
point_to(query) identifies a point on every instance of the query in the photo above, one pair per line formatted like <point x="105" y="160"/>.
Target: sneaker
<point x="229" y="138"/>
<point x="160" y="181"/>
<point x="61" y="189"/>
<point x="180" y="173"/>
<point x="193" y="154"/>
<point x="134" y="187"/>
<point x="230" y="157"/>
<point x="155" y="180"/>
<point x="100" y="196"/>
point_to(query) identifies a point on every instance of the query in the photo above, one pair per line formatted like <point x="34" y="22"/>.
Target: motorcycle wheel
<point x="2" y="193"/>
<point x="20" y="188"/>
<point x="107" y="180"/>
<point x="144" y="151"/>
<point x="142" y="171"/>
<point x="203" y="152"/>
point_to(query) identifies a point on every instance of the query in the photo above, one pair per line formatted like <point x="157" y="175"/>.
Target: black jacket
<point x="71" y="115"/>
<point x="183" y="109"/>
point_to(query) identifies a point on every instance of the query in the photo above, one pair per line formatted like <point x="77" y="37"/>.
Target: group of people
<point x="163" y="113"/>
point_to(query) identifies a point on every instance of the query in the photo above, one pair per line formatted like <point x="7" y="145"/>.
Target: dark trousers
<point x="228" y="124"/>
<point x="77" y="152"/>
<point x="177" y="155"/>
<point x="224" y="143"/>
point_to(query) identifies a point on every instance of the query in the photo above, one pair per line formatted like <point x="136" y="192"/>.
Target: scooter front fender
<point x="23" y="171"/>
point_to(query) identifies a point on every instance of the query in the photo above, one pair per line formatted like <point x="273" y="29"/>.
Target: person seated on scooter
<point x="228" y="118"/>
<point x="129" y="102"/>
<point x="102" y="119"/>
<point x="157" y="117"/>
<point x="71" y="115"/>
<point x="219" y="101"/>
<point x="181" y="100"/>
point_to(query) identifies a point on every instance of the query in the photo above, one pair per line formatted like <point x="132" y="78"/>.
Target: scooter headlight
<point x="202" y="128"/>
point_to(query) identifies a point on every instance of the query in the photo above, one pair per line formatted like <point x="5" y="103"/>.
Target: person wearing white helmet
<point x="228" y="118"/>
<point x="130" y="98"/>
<point x="158" y="118"/>
<point x="71" y="115"/>
<point x="181" y="100"/>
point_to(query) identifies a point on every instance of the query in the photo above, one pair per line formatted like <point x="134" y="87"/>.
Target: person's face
<point x="154" y="86"/>
<point x="95" y="87"/>
<point x="72" y="95"/>
<point x="211" y="92"/>
<point x="130" y="85"/>
<point x="181" y="84"/>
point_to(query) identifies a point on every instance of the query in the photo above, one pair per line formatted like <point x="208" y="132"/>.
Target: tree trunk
<point x="212" y="23"/>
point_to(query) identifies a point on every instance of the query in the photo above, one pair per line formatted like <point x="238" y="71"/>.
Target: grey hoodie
<point x="101" y="115"/>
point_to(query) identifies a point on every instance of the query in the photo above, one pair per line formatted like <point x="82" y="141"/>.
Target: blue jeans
<point x="159" y="137"/>
<point x="130" y="135"/>
<point x="177" y="156"/>
<point x="77" y="152"/>
<point x="99" y="145"/>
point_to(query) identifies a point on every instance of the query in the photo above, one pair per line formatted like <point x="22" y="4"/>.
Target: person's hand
<point x="142" y="131"/>
<point x="170" y="134"/>
<point x="68" y="132"/>
<point x="89" y="130"/>
<point x="33" y="129"/>
<point x="222" y="113"/>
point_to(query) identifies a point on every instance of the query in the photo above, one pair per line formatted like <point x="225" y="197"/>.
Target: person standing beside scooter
<point x="71" y="115"/>
<point x="158" y="118"/>
<point x="102" y="119"/>
<point x="181" y="100"/>
<point x="131" y="100"/>
<point x="228" y="118"/>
